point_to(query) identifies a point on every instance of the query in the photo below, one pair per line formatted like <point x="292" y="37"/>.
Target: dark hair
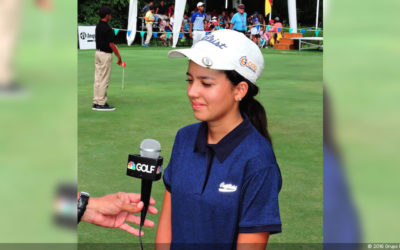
<point x="104" y="11"/>
<point x="250" y="106"/>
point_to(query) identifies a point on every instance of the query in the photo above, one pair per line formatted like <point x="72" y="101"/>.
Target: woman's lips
<point x="197" y="106"/>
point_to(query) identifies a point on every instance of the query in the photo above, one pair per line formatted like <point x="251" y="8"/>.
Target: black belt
<point x="104" y="51"/>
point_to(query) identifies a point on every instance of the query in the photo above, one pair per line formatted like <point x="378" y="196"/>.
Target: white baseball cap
<point x="226" y="50"/>
<point x="200" y="4"/>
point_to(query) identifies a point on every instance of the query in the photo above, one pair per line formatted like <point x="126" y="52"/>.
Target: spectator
<point x="171" y="10"/>
<point x="225" y="17"/>
<point x="197" y="23"/>
<point x="261" y="19"/>
<point x="254" y="32"/>
<point x="161" y="10"/>
<point x="227" y="25"/>
<point x="207" y="26"/>
<point x="214" y="21"/>
<point x="161" y="26"/>
<point x="164" y="37"/>
<point x="277" y="29"/>
<point x="220" y="25"/>
<point x="270" y="32"/>
<point x="146" y="8"/>
<point x="149" y="18"/>
<point x="264" y="38"/>
<point x="208" y="17"/>
<point x="238" y="21"/>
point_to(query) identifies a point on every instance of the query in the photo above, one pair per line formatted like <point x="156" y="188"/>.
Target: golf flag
<point x="268" y="5"/>
<point x="129" y="32"/>
<point x="303" y="31"/>
<point x="142" y="34"/>
<point x="155" y="34"/>
<point x="116" y="31"/>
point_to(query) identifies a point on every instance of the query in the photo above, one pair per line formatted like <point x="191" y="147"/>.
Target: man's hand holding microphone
<point x="114" y="210"/>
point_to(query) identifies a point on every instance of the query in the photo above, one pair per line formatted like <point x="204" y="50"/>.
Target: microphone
<point x="148" y="167"/>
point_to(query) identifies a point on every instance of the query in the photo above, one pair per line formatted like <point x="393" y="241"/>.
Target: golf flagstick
<point x="123" y="77"/>
<point x="123" y="65"/>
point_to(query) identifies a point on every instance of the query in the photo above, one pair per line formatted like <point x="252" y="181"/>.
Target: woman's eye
<point x="207" y="84"/>
<point x="189" y="80"/>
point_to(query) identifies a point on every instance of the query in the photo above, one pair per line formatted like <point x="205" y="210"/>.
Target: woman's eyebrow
<point x="201" y="77"/>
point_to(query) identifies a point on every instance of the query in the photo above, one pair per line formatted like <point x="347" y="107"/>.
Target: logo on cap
<point x="247" y="63"/>
<point x="206" y="61"/>
<point x="214" y="41"/>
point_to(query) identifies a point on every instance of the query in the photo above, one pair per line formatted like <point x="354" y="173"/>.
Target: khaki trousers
<point x="103" y="64"/>
<point x="149" y="27"/>
<point x="10" y="19"/>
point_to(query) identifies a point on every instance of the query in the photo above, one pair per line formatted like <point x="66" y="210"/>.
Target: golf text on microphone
<point x="144" y="168"/>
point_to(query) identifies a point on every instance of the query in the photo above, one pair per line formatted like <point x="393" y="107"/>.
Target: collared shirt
<point x="239" y="21"/>
<point x="198" y="21"/>
<point x="149" y="16"/>
<point x="221" y="190"/>
<point x="104" y="36"/>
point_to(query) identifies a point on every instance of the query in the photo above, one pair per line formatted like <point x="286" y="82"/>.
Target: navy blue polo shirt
<point x="221" y="190"/>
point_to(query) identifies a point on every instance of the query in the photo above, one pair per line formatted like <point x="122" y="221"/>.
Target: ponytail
<point x="250" y="106"/>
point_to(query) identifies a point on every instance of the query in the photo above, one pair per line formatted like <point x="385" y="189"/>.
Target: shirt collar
<point x="227" y="144"/>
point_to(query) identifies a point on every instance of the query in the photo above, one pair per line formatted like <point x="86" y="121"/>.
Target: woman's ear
<point x="241" y="91"/>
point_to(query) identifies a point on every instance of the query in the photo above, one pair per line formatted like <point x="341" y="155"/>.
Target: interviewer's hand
<point x="114" y="210"/>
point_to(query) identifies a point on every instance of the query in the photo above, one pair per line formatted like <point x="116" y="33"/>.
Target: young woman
<point x="222" y="181"/>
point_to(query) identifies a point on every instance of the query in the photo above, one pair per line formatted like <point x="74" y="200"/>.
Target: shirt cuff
<point x="272" y="229"/>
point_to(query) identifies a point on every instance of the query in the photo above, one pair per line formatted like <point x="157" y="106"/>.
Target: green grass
<point x="154" y="105"/>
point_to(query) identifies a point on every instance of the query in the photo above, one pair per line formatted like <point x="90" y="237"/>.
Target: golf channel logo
<point x="131" y="165"/>
<point x="159" y="169"/>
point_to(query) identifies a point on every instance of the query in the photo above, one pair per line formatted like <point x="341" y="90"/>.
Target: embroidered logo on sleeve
<point x="227" y="188"/>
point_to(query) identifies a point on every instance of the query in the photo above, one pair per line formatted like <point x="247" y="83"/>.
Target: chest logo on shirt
<point x="227" y="188"/>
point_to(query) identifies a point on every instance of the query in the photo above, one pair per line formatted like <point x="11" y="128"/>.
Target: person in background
<point x="239" y="20"/>
<point x="207" y="26"/>
<point x="103" y="60"/>
<point x="197" y="23"/>
<point x="171" y="10"/>
<point x="146" y="8"/>
<point x="164" y="37"/>
<point x="277" y="29"/>
<point x="10" y="22"/>
<point x="162" y="10"/>
<point x="149" y="19"/>
<point x="208" y="16"/>
<point x="264" y="38"/>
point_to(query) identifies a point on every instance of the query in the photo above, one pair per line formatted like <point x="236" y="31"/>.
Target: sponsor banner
<point x="87" y="37"/>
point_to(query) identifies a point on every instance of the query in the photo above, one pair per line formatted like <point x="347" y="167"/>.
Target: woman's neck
<point x="219" y="129"/>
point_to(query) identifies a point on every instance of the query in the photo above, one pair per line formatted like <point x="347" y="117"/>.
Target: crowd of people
<point x="199" y="22"/>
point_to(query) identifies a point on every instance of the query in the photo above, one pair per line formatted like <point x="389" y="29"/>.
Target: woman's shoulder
<point x="259" y="148"/>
